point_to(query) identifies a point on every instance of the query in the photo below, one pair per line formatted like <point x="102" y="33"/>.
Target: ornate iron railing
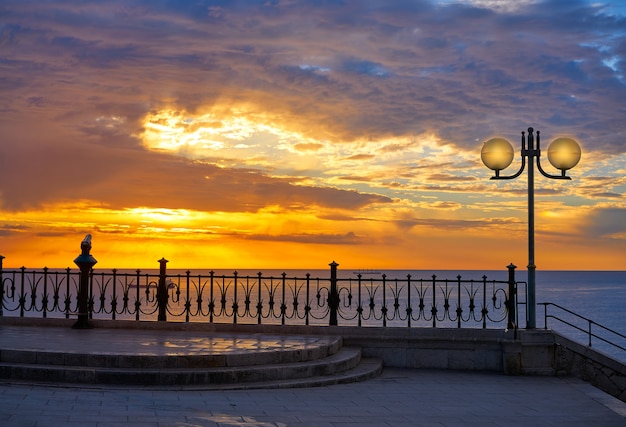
<point x="217" y="298"/>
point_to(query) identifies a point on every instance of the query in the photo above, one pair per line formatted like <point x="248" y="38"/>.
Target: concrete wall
<point x="528" y="353"/>
<point x="603" y="372"/>
<point x="462" y="349"/>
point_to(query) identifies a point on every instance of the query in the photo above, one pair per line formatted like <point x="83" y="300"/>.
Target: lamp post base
<point x="82" y="324"/>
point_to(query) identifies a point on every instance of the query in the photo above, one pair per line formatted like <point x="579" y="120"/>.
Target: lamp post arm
<point x="537" y="154"/>
<point x="515" y="175"/>
<point x="548" y="175"/>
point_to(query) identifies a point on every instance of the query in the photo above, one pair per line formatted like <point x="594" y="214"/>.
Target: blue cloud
<point x="607" y="221"/>
<point x="365" y="67"/>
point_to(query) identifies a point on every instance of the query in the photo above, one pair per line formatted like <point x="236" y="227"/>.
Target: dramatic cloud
<point x="307" y="123"/>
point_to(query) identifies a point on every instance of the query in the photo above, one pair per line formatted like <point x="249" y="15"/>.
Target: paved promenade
<point x="397" y="398"/>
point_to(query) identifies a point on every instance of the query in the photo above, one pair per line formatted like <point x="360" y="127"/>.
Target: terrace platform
<point x="397" y="397"/>
<point x="177" y="359"/>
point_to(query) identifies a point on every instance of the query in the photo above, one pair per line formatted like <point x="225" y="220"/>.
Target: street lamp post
<point x="497" y="154"/>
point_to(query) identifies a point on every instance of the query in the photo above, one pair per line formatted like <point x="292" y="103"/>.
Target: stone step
<point x="176" y="357"/>
<point x="339" y="365"/>
<point x="266" y="351"/>
<point x="366" y="369"/>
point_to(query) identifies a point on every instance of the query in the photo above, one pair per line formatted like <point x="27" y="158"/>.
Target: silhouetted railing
<point x="585" y="326"/>
<point x="234" y="298"/>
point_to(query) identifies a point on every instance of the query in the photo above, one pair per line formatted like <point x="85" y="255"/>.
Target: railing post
<point x="359" y="309"/>
<point x="333" y="295"/>
<point x="114" y="299"/>
<point x="512" y="298"/>
<point x="283" y="306"/>
<point x="1" y="288"/>
<point x="162" y="295"/>
<point x="85" y="263"/>
<point x="22" y="294"/>
<point x="44" y="298"/>
<point x="259" y="305"/>
<point x="137" y="297"/>
<point x="307" y="308"/>
<point x="383" y="309"/>
<point x="235" y="303"/>
<point x="433" y="308"/>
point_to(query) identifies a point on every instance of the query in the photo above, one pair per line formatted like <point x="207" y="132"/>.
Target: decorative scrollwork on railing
<point x="234" y="298"/>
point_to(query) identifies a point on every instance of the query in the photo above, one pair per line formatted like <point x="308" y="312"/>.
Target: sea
<point x="596" y="296"/>
<point x="579" y="301"/>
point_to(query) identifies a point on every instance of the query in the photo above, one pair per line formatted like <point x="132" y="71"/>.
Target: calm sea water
<point x="599" y="296"/>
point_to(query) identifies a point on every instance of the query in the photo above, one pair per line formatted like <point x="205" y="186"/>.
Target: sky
<point x="286" y="134"/>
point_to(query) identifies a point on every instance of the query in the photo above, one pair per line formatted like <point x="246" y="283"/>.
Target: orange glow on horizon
<point x="276" y="240"/>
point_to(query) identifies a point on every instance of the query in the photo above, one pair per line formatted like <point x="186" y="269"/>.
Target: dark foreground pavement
<point x="397" y="398"/>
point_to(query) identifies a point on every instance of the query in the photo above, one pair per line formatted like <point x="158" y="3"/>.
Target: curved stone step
<point x="183" y="352"/>
<point x="342" y="361"/>
<point x="366" y="369"/>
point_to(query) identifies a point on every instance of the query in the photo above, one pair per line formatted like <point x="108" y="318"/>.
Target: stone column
<point x="85" y="262"/>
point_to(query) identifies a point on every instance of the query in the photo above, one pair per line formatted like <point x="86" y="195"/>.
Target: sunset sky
<point x="288" y="134"/>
